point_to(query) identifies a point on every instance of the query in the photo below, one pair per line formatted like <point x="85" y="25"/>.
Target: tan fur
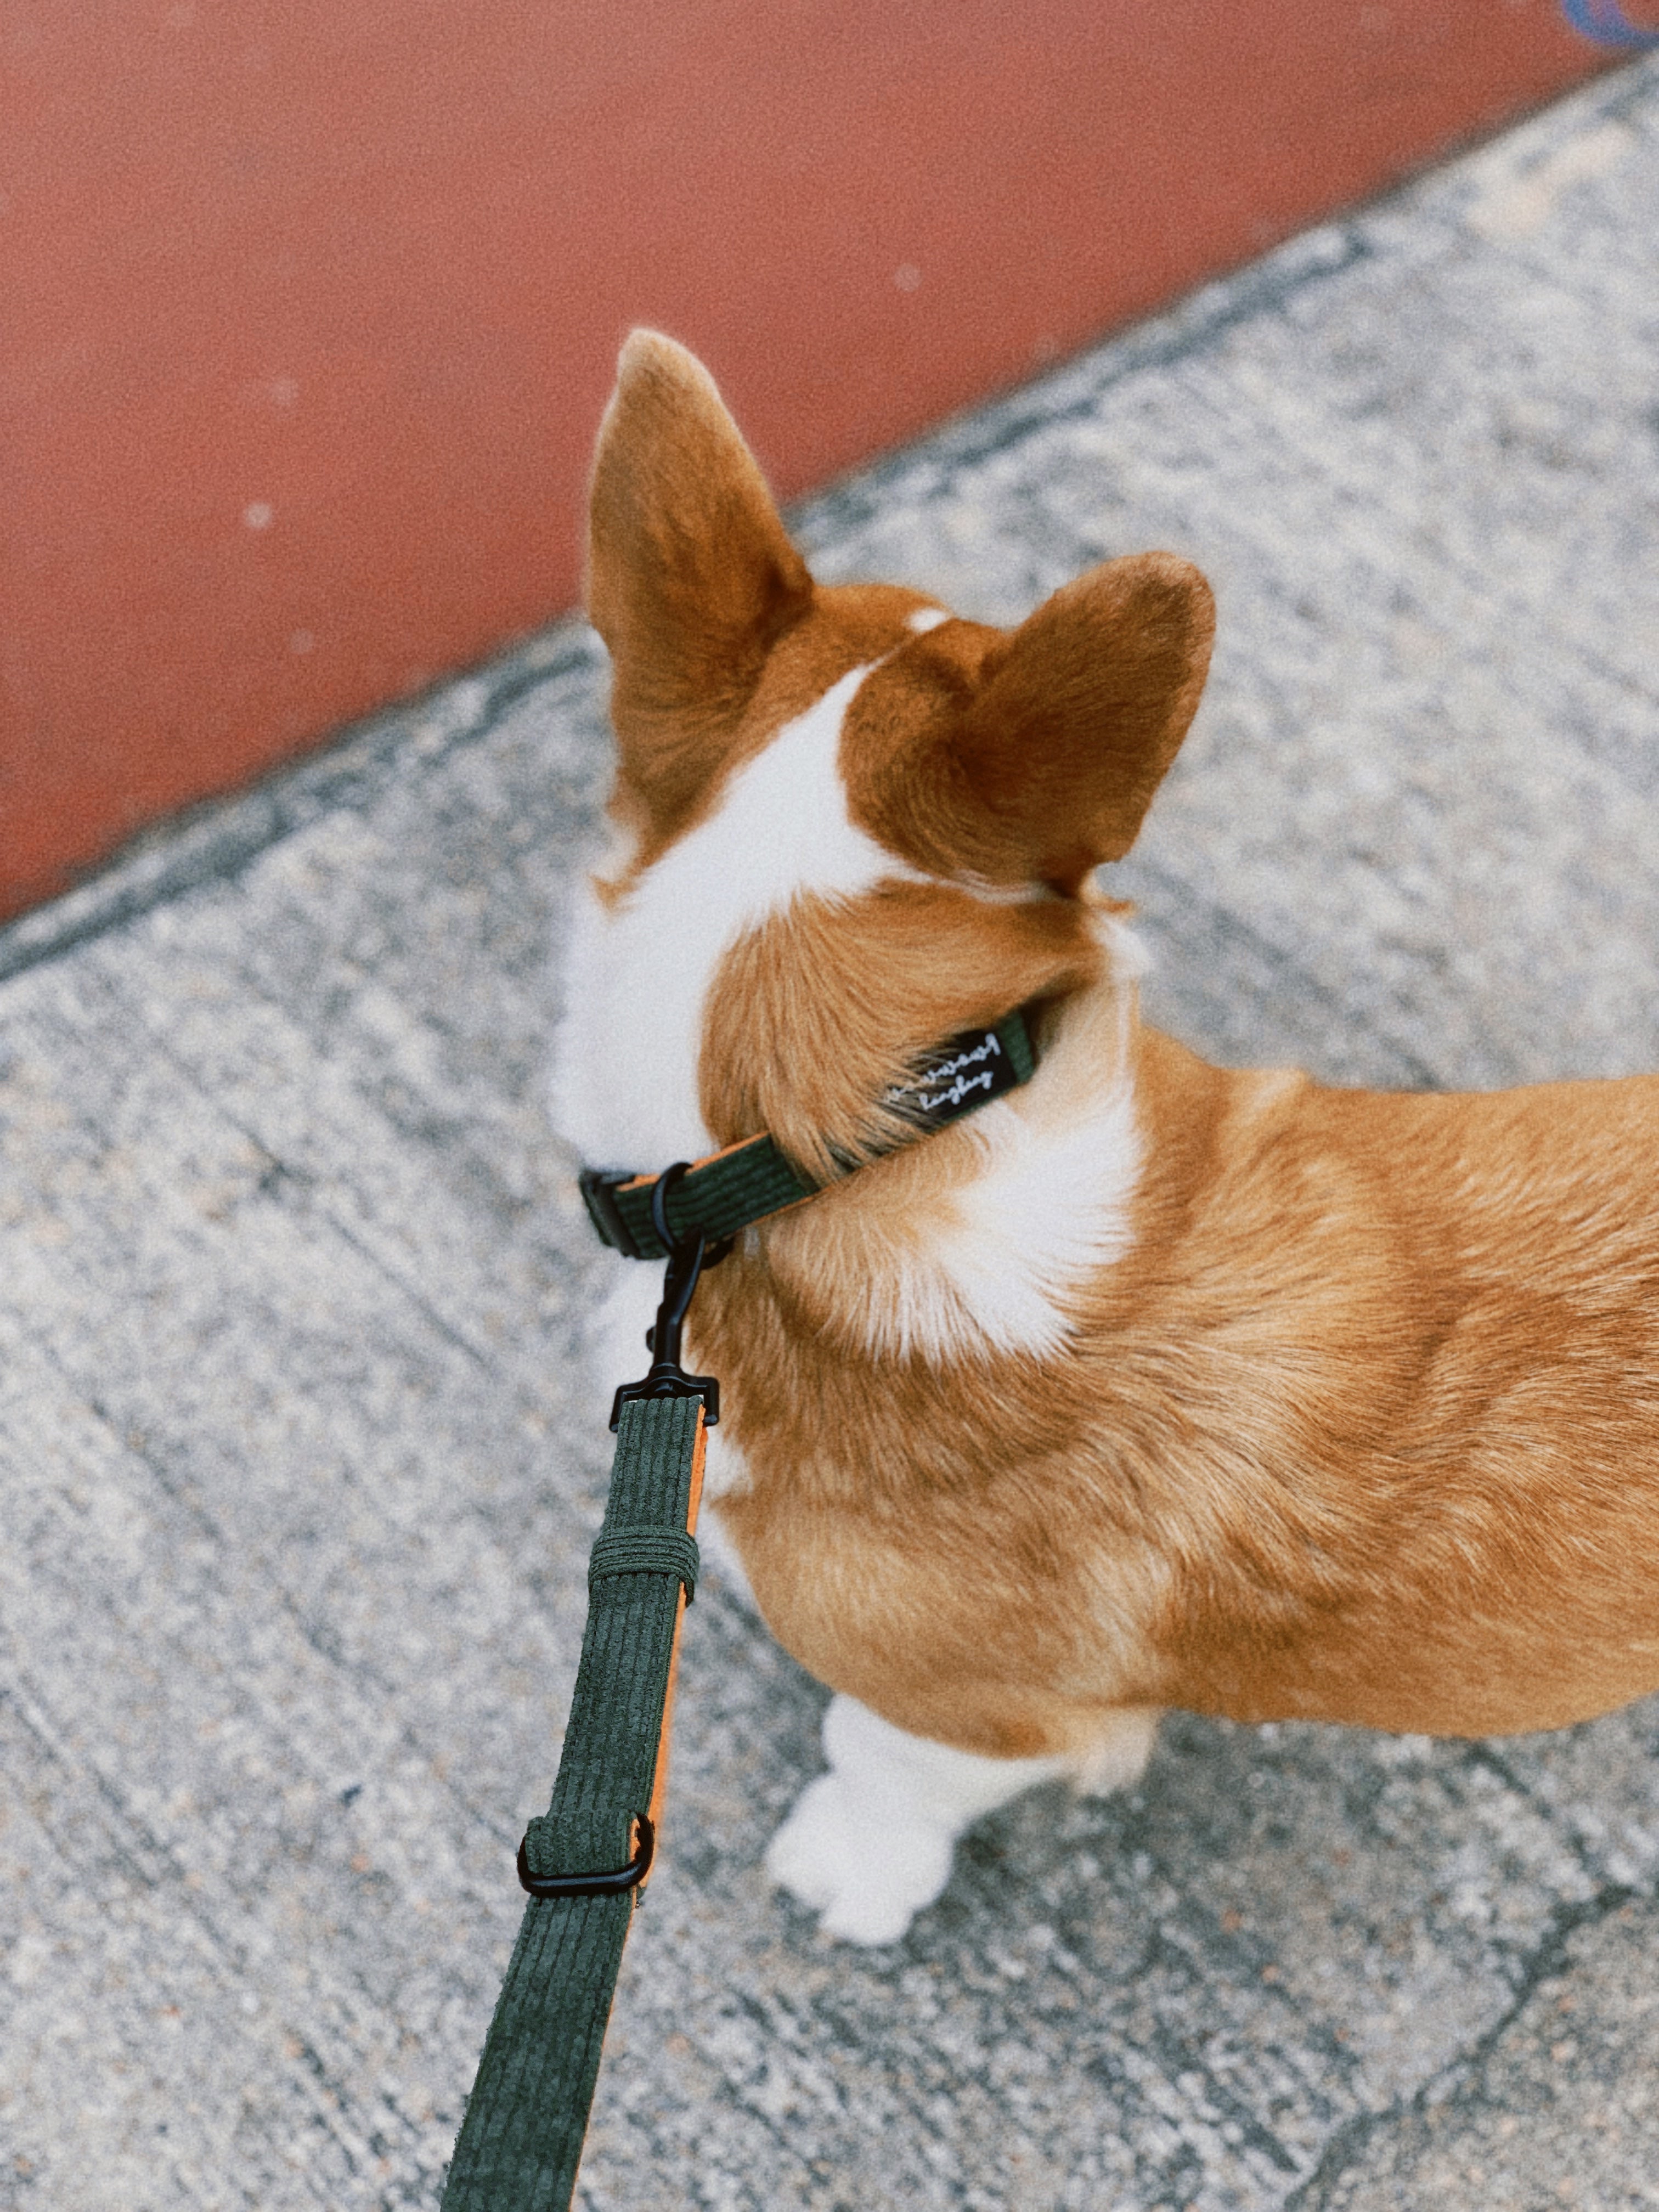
<point x="861" y="989"/>
<point x="1031" y="756"/>
<point x="1365" y="1423"/>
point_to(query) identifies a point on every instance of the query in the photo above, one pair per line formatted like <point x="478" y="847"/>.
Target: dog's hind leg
<point x="869" y="1843"/>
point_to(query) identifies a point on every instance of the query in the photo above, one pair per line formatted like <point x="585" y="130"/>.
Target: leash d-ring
<point x="659" y="1190"/>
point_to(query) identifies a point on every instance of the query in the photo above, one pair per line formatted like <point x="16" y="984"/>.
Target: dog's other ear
<point x="691" y="578"/>
<point x="1078" y="713"/>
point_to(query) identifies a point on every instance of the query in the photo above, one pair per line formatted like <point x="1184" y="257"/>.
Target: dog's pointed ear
<point x="1078" y="713"/>
<point x="691" y="577"/>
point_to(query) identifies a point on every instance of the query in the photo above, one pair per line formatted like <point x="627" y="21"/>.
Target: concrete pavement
<point x="299" y="1466"/>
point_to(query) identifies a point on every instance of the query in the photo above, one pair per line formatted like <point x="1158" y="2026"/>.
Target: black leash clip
<point x="687" y="1258"/>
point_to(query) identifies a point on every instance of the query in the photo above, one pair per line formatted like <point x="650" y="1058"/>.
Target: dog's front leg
<point x="869" y="1843"/>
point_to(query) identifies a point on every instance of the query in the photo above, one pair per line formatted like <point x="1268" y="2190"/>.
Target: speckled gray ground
<point x="299" y="1472"/>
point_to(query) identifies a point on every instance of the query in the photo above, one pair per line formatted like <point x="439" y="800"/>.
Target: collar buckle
<point x="598" y="1192"/>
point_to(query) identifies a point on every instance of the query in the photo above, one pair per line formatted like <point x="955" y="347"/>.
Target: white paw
<point x="868" y="1875"/>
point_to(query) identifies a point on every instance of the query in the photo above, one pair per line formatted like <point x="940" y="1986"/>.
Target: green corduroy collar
<point x="716" y="1197"/>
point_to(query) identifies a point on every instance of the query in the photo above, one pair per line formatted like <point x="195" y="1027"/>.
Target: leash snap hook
<point x="687" y="1258"/>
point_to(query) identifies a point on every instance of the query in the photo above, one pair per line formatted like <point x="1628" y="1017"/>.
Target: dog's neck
<point x="967" y="1245"/>
<point x="972" y="1245"/>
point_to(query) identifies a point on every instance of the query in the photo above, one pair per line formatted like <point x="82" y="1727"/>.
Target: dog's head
<point x="856" y="825"/>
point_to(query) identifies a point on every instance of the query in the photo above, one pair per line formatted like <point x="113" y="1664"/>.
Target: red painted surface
<point x="310" y="310"/>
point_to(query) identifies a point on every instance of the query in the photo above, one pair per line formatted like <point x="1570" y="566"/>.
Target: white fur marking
<point x="625" y="1309"/>
<point x="625" y="1086"/>
<point x="926" y="618"/>
<point x="1048" y="1206"/>
<point x="1003" y="894"/>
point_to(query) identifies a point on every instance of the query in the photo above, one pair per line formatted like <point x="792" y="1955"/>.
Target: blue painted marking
<point x="1605" y="22"/>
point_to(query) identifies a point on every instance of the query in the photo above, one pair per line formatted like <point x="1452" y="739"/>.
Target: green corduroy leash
<point x="527" y="2114"/>
<point x="584" y="1862"/>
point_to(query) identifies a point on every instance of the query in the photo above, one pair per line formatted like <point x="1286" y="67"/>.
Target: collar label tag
<point x="959" y="1076"/>
<point x="752" y="1179"/>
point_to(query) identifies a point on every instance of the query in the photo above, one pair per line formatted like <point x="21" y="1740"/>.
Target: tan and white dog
<point x="1151" y="1383"/>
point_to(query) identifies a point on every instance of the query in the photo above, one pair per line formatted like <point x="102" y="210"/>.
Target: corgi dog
<point x="1148" y="1385"/>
